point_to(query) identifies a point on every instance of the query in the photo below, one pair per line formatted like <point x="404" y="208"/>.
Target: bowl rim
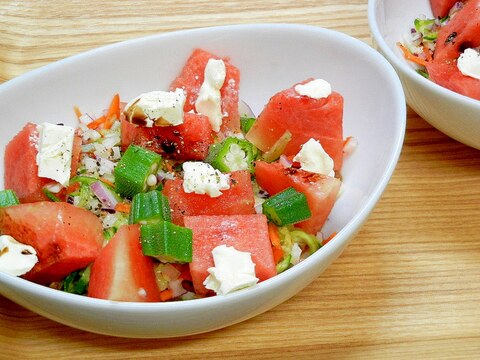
<point x="402" y="65"/>
<point x="340" y="240"/>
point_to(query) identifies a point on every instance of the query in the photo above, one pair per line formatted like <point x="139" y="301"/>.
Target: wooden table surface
<point x="407" y="286"/>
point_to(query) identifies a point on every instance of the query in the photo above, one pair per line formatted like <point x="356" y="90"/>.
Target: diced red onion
<point x="177" y="288"/>
<point x="285" y="161"/>
<point x="105" y="195"/>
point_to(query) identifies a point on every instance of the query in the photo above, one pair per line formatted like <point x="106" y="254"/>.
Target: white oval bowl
<point x="270" y="58"/>
<point x="456" y="115"/>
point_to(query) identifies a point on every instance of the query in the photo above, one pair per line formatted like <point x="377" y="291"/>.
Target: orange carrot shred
<point x="275" y="240"/>
<point x="113" y="112"/>
<point x="123" y="207"/>
<point x="96" y="123"/>
<point x="77" y="111"/>
<point x="409" y="56"/>
<point x="106" y="181"/>
<point x="426" y="51"/>
<point x="166" y="295"/>
<point x="329" y="238"/>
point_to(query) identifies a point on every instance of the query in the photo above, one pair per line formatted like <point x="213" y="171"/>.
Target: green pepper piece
<point x="8" y="197"/>
<point x="149" y="207"/>
<point x="133" y="170"/>
<point x="167" y="242"/>
<point x="287" y="207"/>
<point x="232" y="154"/>
<point x="246" y="123"/>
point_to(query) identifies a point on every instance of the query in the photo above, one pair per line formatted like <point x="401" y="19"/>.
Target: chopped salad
<point x="175" y="194"/>
<point x="446" y="48"/>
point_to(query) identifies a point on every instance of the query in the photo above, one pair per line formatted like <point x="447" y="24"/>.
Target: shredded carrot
<point x="426" y="51"/>
<point x="329" y="238"/>
<point x="123" y="207"/>
<point x="96" y="123"/>
<point x="166" y="295"/>
<point x="106" y="181"/>
<point x="275" y="240"/>
<point x="409" y="56"/>
<point x="113" y="112"/>
<point x="77" y="111"/>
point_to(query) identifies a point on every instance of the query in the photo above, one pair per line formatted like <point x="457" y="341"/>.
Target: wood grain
<point x="409" y="284"/>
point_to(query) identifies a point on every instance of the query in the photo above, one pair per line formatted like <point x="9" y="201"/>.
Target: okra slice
<point x="232" y="154"/>
<point x="8" y="197"/>
<point x="135" y="172"/>
<point x="149" y="207"/>
<point x="246" y="123"/>
<point x="287" y="207"/>
<point x="167" y="242"/>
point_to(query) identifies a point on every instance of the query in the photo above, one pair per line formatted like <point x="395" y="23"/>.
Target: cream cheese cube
<point x="469" y="63"/>
<point x="209" y="102"/>
<point x="54" y="157"/>
<point x="313" y="158"/>
<point x="202" y="178"/>
<point x="16" y="258"/>
<point x="315" y="89"/>
<point x="161" y="108"/>
<point x="234" y="270"/>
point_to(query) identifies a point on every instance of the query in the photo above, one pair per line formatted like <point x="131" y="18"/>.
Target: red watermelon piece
<point x="121" y="272"/>
<point x="305" y="118"/>
<point x="66" y="237"/>
<point x="247" y="233"/>
<point x="446" y="74"/>
<point x="463" y="31"/>
<point x="191" y="79"/>
<point x="236" y="200"/>
<point x="21" y="170"/>
<point x="440" y="8"/>
<point x="321" y="191"/>
<point x="188" y="141"/>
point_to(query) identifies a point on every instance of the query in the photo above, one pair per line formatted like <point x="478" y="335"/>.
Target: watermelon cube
<point x="247" y="233"/>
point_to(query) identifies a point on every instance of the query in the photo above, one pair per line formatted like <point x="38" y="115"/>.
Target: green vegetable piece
<point x="284" y="264"/>
<point x="149" y="207"/>
<point x="8" y="197"/>
<point x="287" y="207"/>
<point x="246" y="123"/>
<point x="277" y="149"/>
<point x="77" y="281"/>
<point x="304" y="239"/>
<point x="83" y="180"/>
<point x="133" y="170"/>
<point x="423" y="73"/>
<point x="425" y="26"/>
<point x="232" y="154"/>
<point x="167" y="242"/>
<point x="51" y="196"/>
